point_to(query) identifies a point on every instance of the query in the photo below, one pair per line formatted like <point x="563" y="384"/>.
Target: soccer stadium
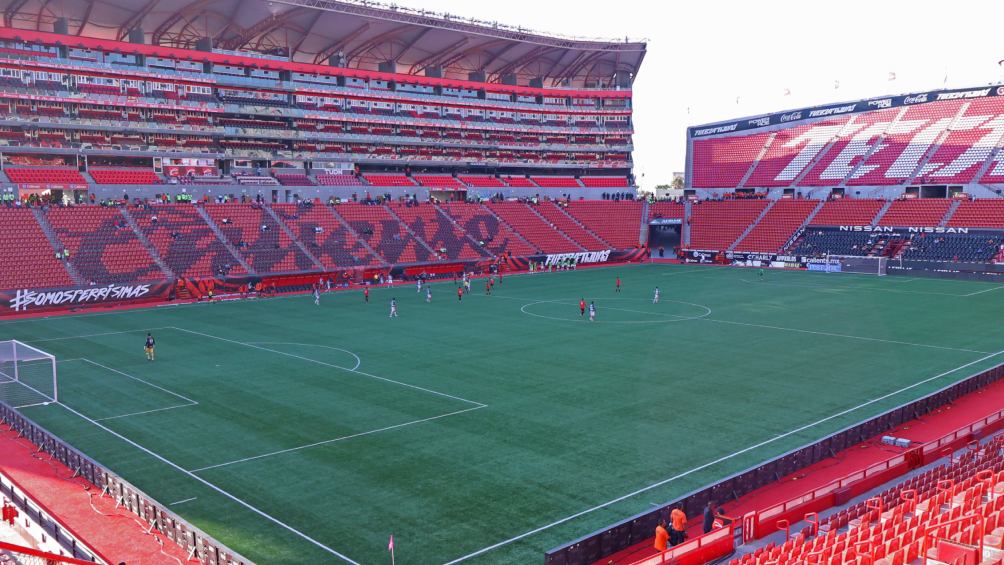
<point x="402" y="296"/>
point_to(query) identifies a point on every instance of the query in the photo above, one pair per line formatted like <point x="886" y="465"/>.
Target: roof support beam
<point x="340" y="44"/>
<point x="135" y="19"/>
<point x="263" y="28"/>
<point x="86" y="18"/>
<point x="431" y="60"/>
<point x="14" y="8"/>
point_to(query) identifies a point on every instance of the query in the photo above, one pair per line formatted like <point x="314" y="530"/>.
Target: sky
<point x="704" y="55"/>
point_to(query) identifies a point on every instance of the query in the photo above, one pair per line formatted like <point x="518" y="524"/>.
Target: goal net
<point x="865" y="265"/>
<point x="27" y="375"/>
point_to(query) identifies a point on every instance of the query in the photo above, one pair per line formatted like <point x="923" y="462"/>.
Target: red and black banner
<point x="26" y="300"/>
<point x="580" y="258"/>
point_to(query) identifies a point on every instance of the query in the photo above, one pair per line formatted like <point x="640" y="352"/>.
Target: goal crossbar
<point x="28" y="375"/>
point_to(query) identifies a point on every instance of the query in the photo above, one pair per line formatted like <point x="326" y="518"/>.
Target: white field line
<point x="30" y="405"/>
<point x="92" y="335"/>
<point x="716" y="461"/>
<point x="982" y="291"/>
<point x="847" y="336"/>
<point x="181" y="396"/>
<point x="145" y="412"/>
<point x="183" y="501"/>
<point x="215" y="488"/>
<point x="346" y="369"/>
<point x="334" y="440"/>
<point x="358" y="360"/>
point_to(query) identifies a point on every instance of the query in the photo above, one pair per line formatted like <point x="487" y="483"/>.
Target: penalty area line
<point x="716" y="461"/>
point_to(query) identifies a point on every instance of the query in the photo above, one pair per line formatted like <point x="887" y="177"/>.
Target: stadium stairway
<point x="146" y="243"/>
<point x="477" y="245"/>
<point x="749" y="229"/>
<point x="510" y="228"/>
<point x="554" y="215"/>
<point x="878" y="217"/>
<point x="289" y="233"/>
<point x="936" y="146"/>
<point x="532" y="228"/>
<point x="56" y="245"/>
<point x="584" y="227"/>
<point x="373" y="252"/>
<point x="951" y="212"/>
<point x="223" y="239"/>
<point x="421" y="241"/>
<point x="535" y="209"/>
<point x="755" y="162"/>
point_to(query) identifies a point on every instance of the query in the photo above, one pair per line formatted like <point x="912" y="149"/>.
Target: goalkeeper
<point x="149" y="346"/>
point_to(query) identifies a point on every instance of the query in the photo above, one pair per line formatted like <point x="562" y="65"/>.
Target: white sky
<point x="703" y="54"/>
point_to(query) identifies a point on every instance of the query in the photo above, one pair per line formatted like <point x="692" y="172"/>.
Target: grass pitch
<point x="492" y="429"/>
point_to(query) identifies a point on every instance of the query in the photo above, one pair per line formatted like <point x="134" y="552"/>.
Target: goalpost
<point x="27" y="375"/>
<point x="857" y="264"/>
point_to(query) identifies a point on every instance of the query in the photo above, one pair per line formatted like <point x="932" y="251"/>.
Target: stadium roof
<point x="365" y="33"/>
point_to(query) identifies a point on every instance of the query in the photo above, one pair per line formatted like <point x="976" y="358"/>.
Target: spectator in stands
<point x="661" y="536"/>
<point x="678" y="530"/>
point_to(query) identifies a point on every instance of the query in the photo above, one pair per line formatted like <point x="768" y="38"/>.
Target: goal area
<point x="27" y="375"/>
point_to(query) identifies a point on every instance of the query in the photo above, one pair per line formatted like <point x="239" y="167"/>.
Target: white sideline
<point x="181" y="396"/>
<point x="982" y="291"/>
<point x="715" y="462"/>
<point x="848" y="336"/>
<point x="184" y="501"/>
<point x="173" y="465"/>
<point x="145" y="412"/>
<point x="337" y="439"/>
<point x="93" y="335"/>
<point x="333" y="366"/>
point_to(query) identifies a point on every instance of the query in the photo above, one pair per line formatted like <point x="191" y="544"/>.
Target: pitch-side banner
<point x="581" y="258"/>
<point x="28" y="300"/>
<point x="830" y="110"/>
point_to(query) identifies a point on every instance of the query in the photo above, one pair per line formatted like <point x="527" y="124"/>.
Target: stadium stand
<point x="44" y="176"/>
<point x="103" y="246"/>
<point x="338" y="180"/>
<point x="482" y="181"/>
<point x="618" y="222"/>
<point x="519" y="182"/>
<point x="848" y="212"/>
<point x="666" y="210"/>
<point x="717" y="225"/>
<point x="253" y="232"/>
<point x="124" y="176"/>
<point x="185" y="241"/>
<point x="486" y="229"/>
<point x="293" y="179"/>
<point x="334" y="245"/>
<point x="916" y="212"/>
<point x="28" y="260"/>
<point x="439" y="181"/>
<point x="723" y="162"/>
<point x="605" y="182"/>
<point x="777" y="226"/>
<point x="818" y="243"/>
<point x="383" y="232"/>
<point x="445" y="237"/>
<point x="388" y="180"/>
<point x="970" y="248"/>
<point x="979" y="214"/>
<point x="570" y="227"/>
<point x="533" y="228"/>
<point x="556" y="182"/>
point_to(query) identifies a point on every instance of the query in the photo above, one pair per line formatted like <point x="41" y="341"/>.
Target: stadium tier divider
<point x="621" y="535"/>
<point x="187" y="536"/>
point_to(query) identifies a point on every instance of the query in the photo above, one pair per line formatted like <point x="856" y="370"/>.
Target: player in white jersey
<point x="418" y="286"/>
<point x="317" y="296"/>
<point x="655" y="298"/>
<point x="592" y="311"/>
<point x="428" y="295"/>
<point x="393" y="308"/>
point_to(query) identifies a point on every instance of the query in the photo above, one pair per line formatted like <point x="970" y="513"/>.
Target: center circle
<point x="644" y="312"/>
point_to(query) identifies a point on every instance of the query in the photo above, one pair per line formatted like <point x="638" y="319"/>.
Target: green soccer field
<point x="492" y="429"/>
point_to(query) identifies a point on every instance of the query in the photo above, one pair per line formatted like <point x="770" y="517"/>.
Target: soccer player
<point x="467" y="285"/>
<point x="366" y="294"/>
<point x="390" y="279"/>
<point x="592" y="311"/>
<point x="760" y="273"/>
<point x="393" y="307"/>
<point x="317" y="295"/>
<point x="488" y="288"/>
<point x="617" y="285"/>
<point x="418" y="286"/>
<point x="655" y="299"/>
<point x="460" y="294"/>
<point x="582" y="307"/>
<point x="148" y="347"/>
<point x="428" y="295"/>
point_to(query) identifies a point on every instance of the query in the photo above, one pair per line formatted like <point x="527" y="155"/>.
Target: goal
<point x="27" y="375"/>
<point x="865" y="265"/>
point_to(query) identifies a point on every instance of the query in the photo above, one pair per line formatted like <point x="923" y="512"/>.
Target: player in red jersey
<point x="460" y="294"/>
<point x="582" y="307"/>
<point x="618" y="285"/>
<point x="366" y="294"/>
